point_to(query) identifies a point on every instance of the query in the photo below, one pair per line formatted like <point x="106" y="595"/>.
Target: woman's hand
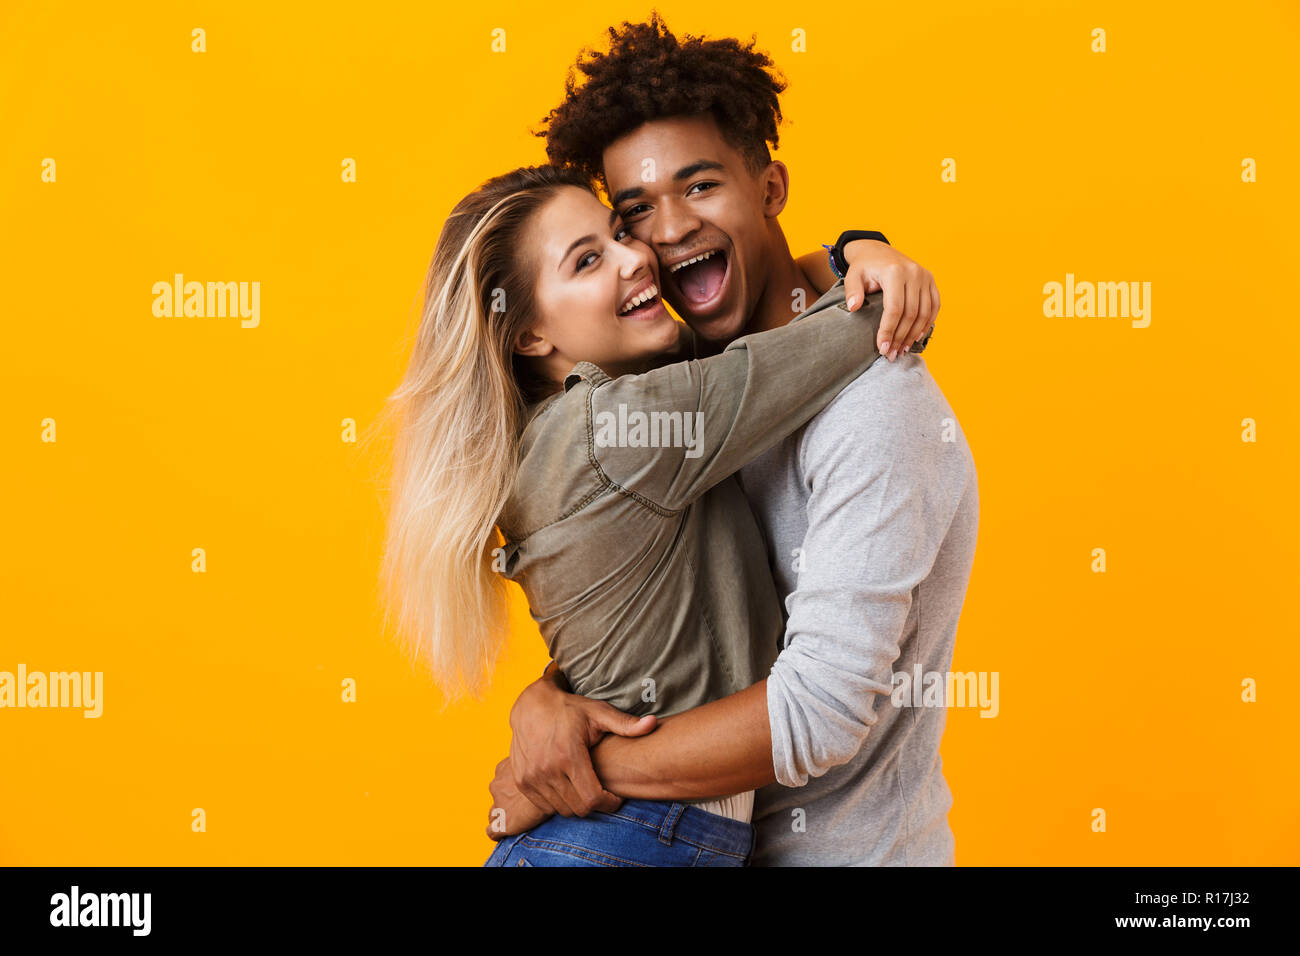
<point x="911" y="300"/>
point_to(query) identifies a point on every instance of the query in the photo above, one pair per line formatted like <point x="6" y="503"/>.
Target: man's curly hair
<point x="650" y="74"/>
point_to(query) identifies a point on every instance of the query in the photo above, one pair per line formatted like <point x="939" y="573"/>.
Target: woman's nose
<point x="636" y="259"/>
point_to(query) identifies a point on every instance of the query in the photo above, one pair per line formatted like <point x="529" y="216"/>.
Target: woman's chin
<point x="666" y="332"/>
<point x="658" y="344"/>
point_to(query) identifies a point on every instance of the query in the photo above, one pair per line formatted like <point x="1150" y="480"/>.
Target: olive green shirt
<point x="641" y="560"/>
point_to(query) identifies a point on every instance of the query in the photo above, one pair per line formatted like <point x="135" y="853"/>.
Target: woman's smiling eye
<point x="587" y="259"/>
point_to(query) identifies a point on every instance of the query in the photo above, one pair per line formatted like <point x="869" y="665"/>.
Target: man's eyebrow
<point x="686" y="172"/>
<point x="623" y="195"/>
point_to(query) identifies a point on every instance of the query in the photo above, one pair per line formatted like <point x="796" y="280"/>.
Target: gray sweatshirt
<point x="870" y="514"/>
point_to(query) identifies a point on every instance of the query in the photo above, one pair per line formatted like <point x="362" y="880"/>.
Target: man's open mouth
<point x="701" y="278"/>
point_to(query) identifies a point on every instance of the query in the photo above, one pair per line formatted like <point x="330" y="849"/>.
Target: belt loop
<point x="670" y="823"/>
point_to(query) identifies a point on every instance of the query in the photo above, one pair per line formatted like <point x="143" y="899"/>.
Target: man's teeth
<point x="700" y="258"/>
<point x="645" y="296"/>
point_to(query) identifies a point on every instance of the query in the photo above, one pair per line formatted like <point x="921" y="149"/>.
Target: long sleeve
<point x="702" y="420"/>
<point x="884" y="488"/>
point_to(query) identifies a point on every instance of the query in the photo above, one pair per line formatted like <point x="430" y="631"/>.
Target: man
<point x="870" y="511"/>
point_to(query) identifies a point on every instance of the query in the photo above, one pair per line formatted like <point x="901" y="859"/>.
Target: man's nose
<point x="673" y="223"/>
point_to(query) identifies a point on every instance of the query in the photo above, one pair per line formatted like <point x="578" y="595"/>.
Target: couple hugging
<point x="724" y="615"/>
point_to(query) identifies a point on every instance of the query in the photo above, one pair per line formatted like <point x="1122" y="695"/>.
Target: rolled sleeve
<point x="882" y="489"/>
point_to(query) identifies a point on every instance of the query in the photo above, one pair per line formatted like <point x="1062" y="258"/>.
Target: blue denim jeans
<point x="639" y="833"/>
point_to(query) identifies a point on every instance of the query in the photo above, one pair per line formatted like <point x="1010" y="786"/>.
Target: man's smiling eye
<point x="635" y="210"/>
<point x="701" y="187"/>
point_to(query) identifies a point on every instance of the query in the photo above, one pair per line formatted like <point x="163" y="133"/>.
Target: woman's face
<point x="597" y="290"/>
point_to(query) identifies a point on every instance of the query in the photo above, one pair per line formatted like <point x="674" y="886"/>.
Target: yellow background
<point x="222" y="690"/>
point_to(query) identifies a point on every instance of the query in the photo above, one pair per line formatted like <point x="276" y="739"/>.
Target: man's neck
<point x="775" y="306"/>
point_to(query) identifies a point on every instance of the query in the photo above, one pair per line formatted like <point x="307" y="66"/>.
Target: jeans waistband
<point x="681" y="821"/>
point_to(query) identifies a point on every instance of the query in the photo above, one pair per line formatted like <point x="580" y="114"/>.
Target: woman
<point x="550" y="395"/>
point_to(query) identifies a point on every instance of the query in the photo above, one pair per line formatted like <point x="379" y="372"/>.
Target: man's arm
<point x="714" y="750"/>
<point x="884" y="489"/>
<point x="551" y="733"/>
<point x="884" y="486"/>
<point x="554" y="771"/>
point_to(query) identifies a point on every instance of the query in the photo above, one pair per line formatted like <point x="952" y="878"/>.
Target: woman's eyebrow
<point x="574" y="245"/>
<point x="613" y="218"/>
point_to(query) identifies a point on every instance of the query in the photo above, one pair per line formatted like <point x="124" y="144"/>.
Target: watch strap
<point x="839" y="265"/>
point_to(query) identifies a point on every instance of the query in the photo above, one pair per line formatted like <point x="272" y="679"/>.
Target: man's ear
<point x="775" y="183"/>
<point x="529" y="343"/>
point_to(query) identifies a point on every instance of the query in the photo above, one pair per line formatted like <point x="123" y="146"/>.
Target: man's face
<point x="684" y="191"/>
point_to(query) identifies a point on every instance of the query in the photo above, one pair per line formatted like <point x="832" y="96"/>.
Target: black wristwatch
<point x="839" y="265"/>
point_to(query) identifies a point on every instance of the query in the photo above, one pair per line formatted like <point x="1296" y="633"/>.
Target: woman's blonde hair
<point x="459" y="410"/>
